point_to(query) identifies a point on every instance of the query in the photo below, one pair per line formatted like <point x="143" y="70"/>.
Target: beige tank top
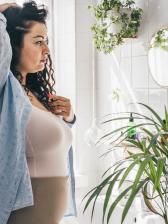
<point x="48" y="140"/>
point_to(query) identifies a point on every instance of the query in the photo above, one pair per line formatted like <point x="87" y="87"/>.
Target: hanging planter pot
<point x="114" y="28"/>
<point x="115" y="20"/>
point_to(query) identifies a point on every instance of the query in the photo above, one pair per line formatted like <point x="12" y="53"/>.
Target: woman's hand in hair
<point x="5" y="6"/>
<point x="61" y="106"/>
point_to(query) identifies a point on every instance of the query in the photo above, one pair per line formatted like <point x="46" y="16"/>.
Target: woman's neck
<point x="23" y="75"/>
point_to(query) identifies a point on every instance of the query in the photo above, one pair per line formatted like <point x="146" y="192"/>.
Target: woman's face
<point x="34" y="53"/>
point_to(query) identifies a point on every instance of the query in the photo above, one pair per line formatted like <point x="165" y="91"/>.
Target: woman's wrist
<point x="71" y="118"/>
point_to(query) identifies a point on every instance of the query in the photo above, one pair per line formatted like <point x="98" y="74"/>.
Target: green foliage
<point x="160" y="39"/>
<point x="150" y="161"/>
<point x="124" y="15"/>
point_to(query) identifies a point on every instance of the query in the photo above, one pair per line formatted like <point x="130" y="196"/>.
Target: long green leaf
<point x="153" y="140"/>
<point x="158" y="127"/>
<point x="97" y="190"/>
<point x="94" y="194"/>
<point x="137" y="155"/>
<point x="160" y="166"/>
<point x="141" y="170"/>
<point x="115" y="166"/>
<point x="119" y="118"/>
<point x="156" y="150"/>
<point x="152" y="170"/>
<point x="120" y="129"/>
<point x="135" y="143"/>
<point x="161" y="148"/>
<point x="109" y="192"/>
<point x="111" y="167"/>
<point x="142" y="117"/>
<point x="147" y="132"/>
<point x="154" y="146"/>
<point x="90" y="192"/>
<point x="93" y="207"/>
<point x="153" y="112"/>
<point x="104" y="182"/>
<point x="117" y="200"/>
<point x="166" y="119"/>
<point x="112" y="132"/>
<point x="128" y="170"/>
<point x="131" y="198"/>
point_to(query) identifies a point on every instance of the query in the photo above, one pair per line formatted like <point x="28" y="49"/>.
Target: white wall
<point x="131" y="60"/>
<point x="127" y="69"/>
<point x="86" y="156"/>
<point x="64" y="39"/>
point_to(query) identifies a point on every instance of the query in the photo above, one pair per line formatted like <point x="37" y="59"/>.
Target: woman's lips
<point x="43" y="61"/>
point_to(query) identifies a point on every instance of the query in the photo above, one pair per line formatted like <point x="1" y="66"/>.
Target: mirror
<point x="158" y="57"/>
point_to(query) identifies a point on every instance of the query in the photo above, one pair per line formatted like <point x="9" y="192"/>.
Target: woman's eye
<point x="39" y="42"/>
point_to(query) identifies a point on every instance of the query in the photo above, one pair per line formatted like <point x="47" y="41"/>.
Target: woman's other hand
<point x="5" y="6"/>
<point x="61" y="106"/>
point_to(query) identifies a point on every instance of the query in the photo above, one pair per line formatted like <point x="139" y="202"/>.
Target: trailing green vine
<point x="109" y="13"/>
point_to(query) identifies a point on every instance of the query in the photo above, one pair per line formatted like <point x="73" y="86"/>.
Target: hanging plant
<point x="160" y="39"/>
<point x="115" y="20"/>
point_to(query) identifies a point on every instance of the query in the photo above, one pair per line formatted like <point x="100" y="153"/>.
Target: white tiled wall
<point x="86" y="162"/>
<point x="127" y="68"/>
<point x="64" y="25"/>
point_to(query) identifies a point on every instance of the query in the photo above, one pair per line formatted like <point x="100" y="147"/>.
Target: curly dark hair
<point x="19" y="21"/>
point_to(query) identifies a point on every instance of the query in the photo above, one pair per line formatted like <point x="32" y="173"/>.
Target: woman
<point x="39" y="121"/>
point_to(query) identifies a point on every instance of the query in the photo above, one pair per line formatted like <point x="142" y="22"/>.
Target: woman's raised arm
<point x="5" y="47"/>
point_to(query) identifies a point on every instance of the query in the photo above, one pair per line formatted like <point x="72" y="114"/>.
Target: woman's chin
<point x="39" y="69"/>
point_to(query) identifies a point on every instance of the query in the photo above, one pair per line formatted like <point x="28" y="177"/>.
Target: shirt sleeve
<point x="5" y="52"/>
<point x="71" y="123"/>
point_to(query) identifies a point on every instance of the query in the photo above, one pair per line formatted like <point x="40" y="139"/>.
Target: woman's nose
<point x="46" y="49"/>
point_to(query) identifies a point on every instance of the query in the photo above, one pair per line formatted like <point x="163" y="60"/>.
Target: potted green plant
<point x="150" y="160"/>
<point x="124" y="15"/>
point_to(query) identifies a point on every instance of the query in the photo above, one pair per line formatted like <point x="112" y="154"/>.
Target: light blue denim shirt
<point x="15" y="108"/>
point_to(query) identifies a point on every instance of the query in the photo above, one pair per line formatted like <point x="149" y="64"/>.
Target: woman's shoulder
<point x="5" y="52"/>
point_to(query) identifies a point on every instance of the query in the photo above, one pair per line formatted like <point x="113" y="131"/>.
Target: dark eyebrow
<point x="39" y="36"/>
